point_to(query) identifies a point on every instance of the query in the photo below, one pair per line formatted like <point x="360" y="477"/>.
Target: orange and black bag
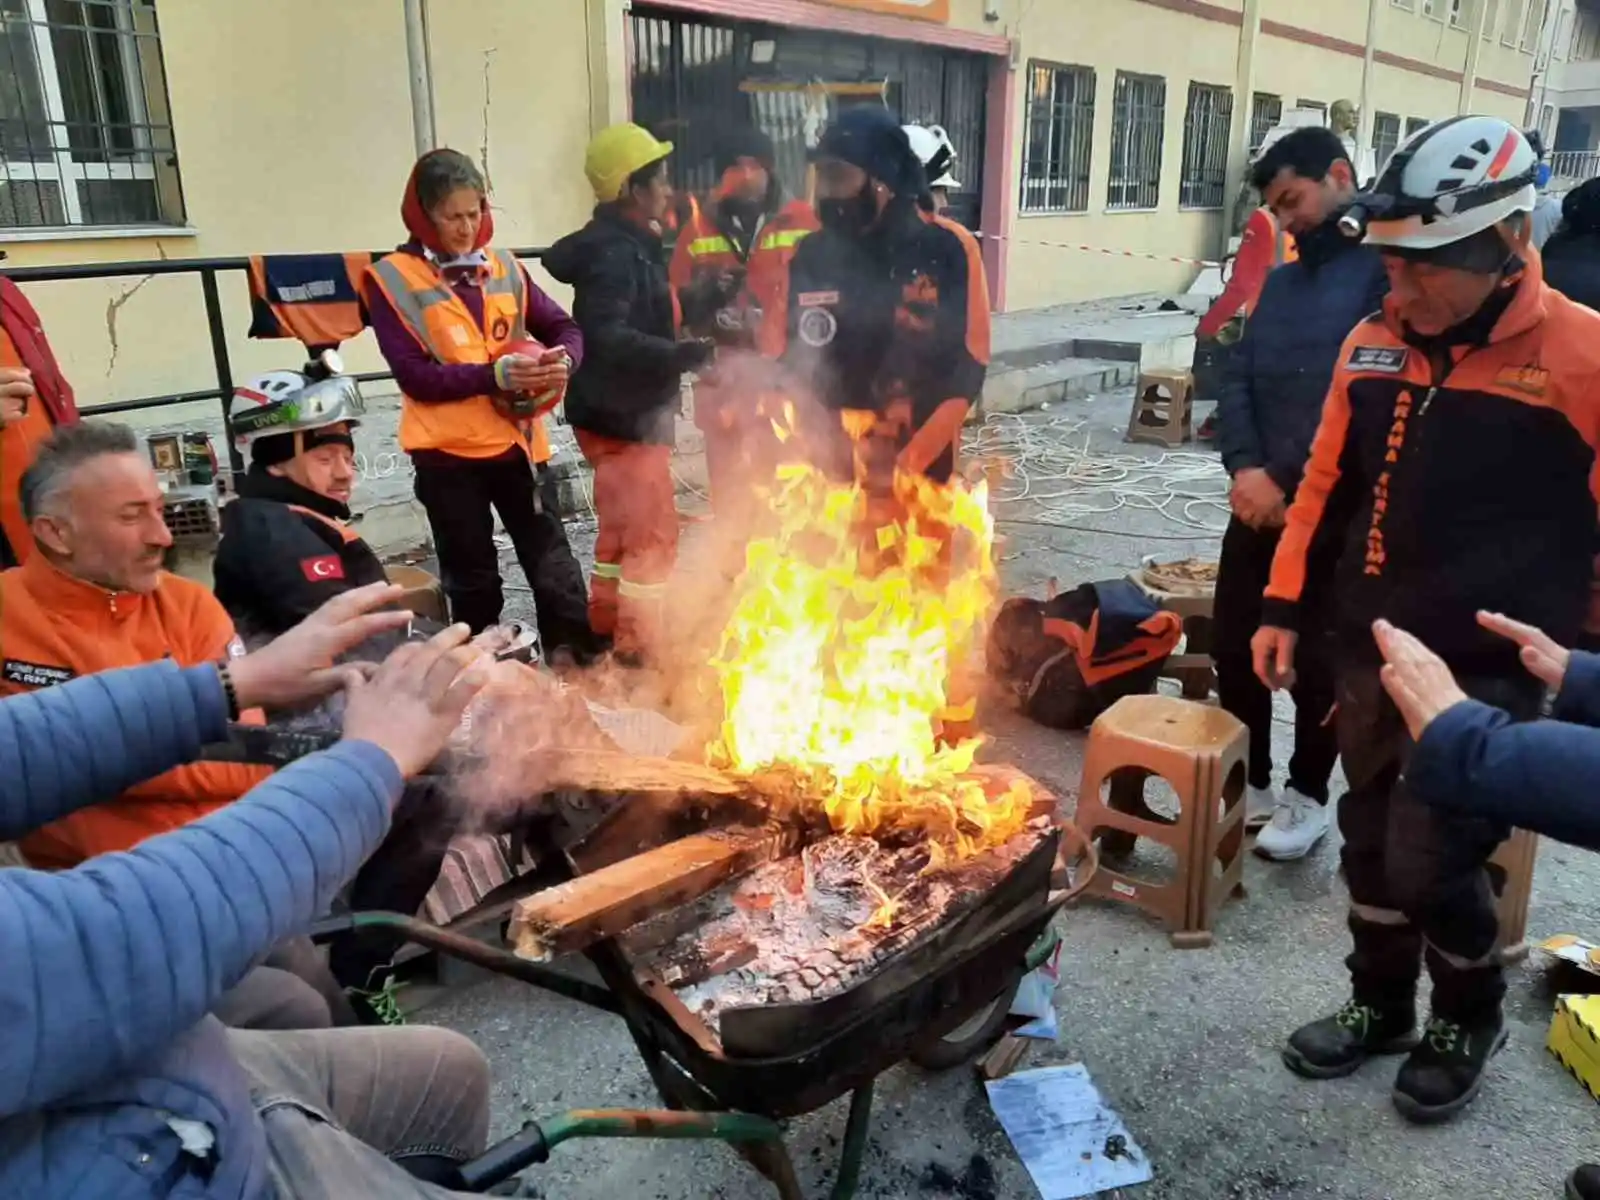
<point x="1069" y="658"/>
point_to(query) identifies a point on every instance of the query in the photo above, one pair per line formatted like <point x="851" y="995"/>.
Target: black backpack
<point x="1069" y="658"/>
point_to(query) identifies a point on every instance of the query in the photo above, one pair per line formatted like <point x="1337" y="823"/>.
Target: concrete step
<point x="1019" y="390"/>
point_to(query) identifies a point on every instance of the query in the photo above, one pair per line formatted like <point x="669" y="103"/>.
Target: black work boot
<point x="1584" y="1183"/>
<point x="1337" y="1046"/>
<point x="1445" y="1071"/>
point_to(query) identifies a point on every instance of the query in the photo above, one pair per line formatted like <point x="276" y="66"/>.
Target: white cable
<point x="1049" y="463"/>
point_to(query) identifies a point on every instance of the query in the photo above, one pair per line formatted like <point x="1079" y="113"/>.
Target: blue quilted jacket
<point x="107" y="971"/>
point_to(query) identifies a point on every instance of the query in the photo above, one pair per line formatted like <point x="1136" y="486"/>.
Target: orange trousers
<point x="637" y="545"/>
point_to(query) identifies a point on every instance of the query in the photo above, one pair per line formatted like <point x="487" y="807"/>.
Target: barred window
<point x="1416" y="124"/>
<point x="1385" y="137"/>
<point x="1206" y="122"/>
<point x="1315" y="105"/>
<point x="1138" y="119"/>
<point x="85" y="129"/>
<point x="1055" y="160"/>
<point x="1266" y="110"/>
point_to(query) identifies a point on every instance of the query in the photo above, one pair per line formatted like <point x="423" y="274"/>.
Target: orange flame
<point x="836" y="662"/>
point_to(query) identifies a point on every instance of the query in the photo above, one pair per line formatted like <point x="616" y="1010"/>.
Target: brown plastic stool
<point x="1163" y="408"/>
<point x="1200" y="751"/>
<point x="1516" y="858"/>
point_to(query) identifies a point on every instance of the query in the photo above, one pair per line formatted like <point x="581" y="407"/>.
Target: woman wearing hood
<point x="453" y="318"/>
<point x="627" y="393"/>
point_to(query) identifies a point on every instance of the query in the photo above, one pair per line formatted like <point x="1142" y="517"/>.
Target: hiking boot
<point x="1446" y="1069"/>
<point x="1295" y="829"/>
<point x="1336" y="1046"/>
<point x="1584" y="1183"/>
<point x="378" y="1006"/>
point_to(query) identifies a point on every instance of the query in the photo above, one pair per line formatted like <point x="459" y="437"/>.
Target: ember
<point x="838" y="657"/>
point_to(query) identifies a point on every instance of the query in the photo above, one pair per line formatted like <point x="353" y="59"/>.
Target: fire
<point x="847" y="627"/>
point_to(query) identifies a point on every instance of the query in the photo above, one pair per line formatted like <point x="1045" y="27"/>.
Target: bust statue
<point x="1344" y="117"/>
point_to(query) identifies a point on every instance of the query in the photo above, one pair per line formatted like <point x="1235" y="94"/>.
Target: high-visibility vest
<point x="442" y="324"/>
<point x="704" y="247"/>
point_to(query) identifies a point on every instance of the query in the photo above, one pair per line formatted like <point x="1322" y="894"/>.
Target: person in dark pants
<point x="1273" y="387"/>
<point x="1460" y="477"/>
<point x="1475" y="761"/>
<point x="452" y="318"/>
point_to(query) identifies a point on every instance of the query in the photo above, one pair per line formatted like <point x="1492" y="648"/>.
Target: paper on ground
<point x="1036" y="999"/>
<point x="1059" y="1125"/>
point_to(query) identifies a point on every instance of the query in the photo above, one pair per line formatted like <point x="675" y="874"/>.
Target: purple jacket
<point x="430" y="382"/>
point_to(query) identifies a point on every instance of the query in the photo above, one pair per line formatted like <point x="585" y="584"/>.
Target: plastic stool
<point x="1201" y="752"/>
<point x="1163" y="408"/>
<point x="1516" y="857"/>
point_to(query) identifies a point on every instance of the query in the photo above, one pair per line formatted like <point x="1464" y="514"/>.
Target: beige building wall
<point x="293" y="125"/>
<point x="1308" y="49"/>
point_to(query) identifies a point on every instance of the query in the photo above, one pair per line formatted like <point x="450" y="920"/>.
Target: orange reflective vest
<point x="430" y="309"/>
<point x="702" y="246"/>
<point x="1284" y="250"/>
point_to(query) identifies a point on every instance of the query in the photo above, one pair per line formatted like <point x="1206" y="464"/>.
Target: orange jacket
<point x="440" y="322"/>
<point x="1264" y="245"/>
<point x="705" y="246"/>
<point x="53" y="628"/>
<point x="19" y="442"/>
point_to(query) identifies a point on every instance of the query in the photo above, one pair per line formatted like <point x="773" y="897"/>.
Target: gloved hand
<point x="694" y="354"/>
<point x="708" y="291"/>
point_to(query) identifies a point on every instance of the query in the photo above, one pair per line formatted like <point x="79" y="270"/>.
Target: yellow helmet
<point x="615" y="153"/>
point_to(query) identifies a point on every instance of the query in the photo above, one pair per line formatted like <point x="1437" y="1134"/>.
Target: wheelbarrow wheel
<point x="969" y="1039"/>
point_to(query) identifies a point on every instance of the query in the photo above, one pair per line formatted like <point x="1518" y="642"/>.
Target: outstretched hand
<point x="1417" y="679"/>
<point x="414" y="701"/>
<point x="297" y="667"/>
<point x="1546" y="661"/>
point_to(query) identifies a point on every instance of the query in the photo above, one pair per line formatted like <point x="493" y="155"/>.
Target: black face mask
<point x="852" y="216"/>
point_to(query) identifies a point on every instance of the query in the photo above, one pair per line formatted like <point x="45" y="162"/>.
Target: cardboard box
<point x="424" y="595"/>
<point x="1574" y="1039"/>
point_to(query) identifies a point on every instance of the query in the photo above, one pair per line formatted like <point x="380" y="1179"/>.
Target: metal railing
<point x="208" y="269"/>
<point x="1569" y="168"/>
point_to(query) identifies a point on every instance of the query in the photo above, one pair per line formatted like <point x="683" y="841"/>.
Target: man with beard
<point x="1271" y="399"/>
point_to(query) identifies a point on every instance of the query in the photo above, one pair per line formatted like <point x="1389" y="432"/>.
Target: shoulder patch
<point x="1389" y="360"/>
<point x="321" y="567"/>
<point x="1530" y="381"/>
<point x="36" y="675"/>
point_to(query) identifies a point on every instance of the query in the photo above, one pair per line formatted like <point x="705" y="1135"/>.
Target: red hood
<point x="420" y="226"/>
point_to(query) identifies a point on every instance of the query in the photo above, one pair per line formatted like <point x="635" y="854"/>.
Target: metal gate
<point x="694" y="77"/>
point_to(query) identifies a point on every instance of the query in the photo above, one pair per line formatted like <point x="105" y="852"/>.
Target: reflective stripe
<point x="782" y="239"/>
<point x="1464" y="964"/>
<point x="607" y="570"/>
<point x="1377" y="916"/>
<point x="642" y="591"/>
<point x="710" y="245"/>
<point x="412" y="303"/>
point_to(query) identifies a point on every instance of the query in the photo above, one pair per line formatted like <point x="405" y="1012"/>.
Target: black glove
<point x="708" y="291"/>
<point x="692" y="355"/>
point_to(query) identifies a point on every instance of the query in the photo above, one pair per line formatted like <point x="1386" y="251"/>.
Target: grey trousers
<point x="343" y="1108"/>
<point x="291" y="989"/>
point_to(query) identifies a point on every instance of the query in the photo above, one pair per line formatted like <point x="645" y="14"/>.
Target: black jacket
<point x="1459" y="473"/>
<point x="1572" y="266"/>
<point x="276" y="566"/>
<point x="628" y="385"/>
<point x="901" y="315"/>
<point x="1277" y="376"/>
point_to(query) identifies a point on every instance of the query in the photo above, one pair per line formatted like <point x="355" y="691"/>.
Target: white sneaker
<point x="1259" y="806"/>
<point x="1297" y="826"/>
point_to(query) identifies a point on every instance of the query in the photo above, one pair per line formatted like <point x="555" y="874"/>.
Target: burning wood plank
<point x="614" y="898"/>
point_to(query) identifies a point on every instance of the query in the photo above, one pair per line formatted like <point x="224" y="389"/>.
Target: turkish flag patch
<point x="323" y="566"/>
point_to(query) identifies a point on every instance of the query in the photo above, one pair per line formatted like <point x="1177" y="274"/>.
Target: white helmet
<point x="289" y="402"/>
<point x="937" y="153"/>
<point x="1446" y="183"/>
